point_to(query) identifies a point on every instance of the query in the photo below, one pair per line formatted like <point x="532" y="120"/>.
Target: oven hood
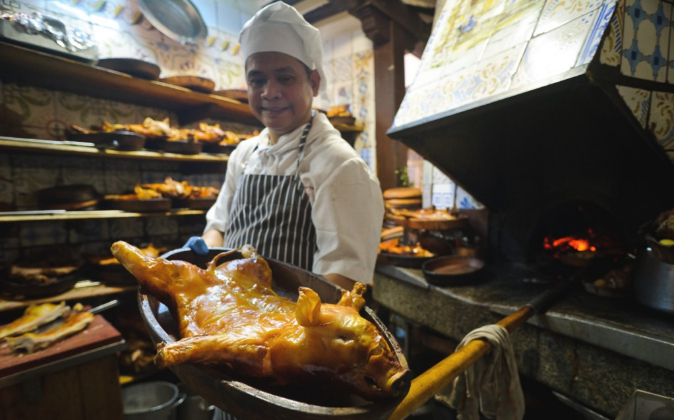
<point x="529" y="104"/>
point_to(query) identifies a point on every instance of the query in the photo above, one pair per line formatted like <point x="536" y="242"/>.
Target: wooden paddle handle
<point x="429" y="383"/>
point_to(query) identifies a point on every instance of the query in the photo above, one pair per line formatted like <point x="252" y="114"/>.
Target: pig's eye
<point x="343" y="337"/>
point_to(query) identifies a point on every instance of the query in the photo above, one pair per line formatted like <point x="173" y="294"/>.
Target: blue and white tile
<point x="83" y="171"/>
<point x="121" y="176"/>
<point x="494" y="75"/>
<point x="6" y="180"/>
<point x="42" y="233"/>
<point x="514" y="29"/>
<point x="638" y="101"/>
<point x="229" y="18"/>
<point x="670" y="64"/>
<point x="604" y="15"/>
<point x="110" y="16"/>
<point x="559" y="12"/>
<point x="646" y="39"/>
<point x="554" y="52"/>
<point x="208" y="9"/>
<point x="612" y="47"/>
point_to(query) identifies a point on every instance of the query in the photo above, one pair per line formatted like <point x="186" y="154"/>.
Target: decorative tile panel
<point x="646" y="45"/>
<point x="661" y="120"/>
<point x="559" y="12"/>
<point x="42" y="233"/>
<point x="638" y="101"/>
<point x="81" y="231"/>
<point x="604" y="15"/>
<point x="515" y="26"/>
<point x="126" y="228"/>
<point x="554" y="52"/>
<point x="670" y="67"/>
<point x="611" y="49"/>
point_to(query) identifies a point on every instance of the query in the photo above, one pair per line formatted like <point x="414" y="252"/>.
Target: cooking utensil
<point x="654" y="281"/>
<point x="182" y="147"/>
<point x="56" y="197"/>
<point x="197" y="83"/>
<point x="32" y="290"/>
<point x="251" y="400"/>
<point x="219" y="148"/>
<point x="400" y="260"/>
<point x="452" y="270"/>
<point x="154" y="204"/>
<point x="429" y="383"/>
<point x="178" y="19"/>
<point x="131" y="66"/>
<point x="151" y="401"/>
<point x="240" y="95"/>
<point x="123" y="140"/>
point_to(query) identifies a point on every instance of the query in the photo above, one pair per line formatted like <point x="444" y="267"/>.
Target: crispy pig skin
<point x="228" y="314"/>
<point x="33" y="317"/>
<point x="29" y="342"/>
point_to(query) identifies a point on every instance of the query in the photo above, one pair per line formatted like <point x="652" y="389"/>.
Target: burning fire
<point x="569" y="243"/>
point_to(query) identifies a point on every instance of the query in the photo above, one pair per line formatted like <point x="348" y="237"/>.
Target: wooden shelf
<point x="24" y="65"/>
<point x="54" y="146"/>
<point x="13" y="217"/>
<point x="72" y="294"/>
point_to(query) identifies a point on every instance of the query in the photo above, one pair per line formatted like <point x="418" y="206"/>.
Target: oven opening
<point x="576" y="235"/>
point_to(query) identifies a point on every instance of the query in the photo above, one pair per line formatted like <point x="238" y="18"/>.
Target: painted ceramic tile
<point x="83" y="171"/>
<point x="670" y="67"/>
<point x="515" y="26"/>
<point x="661" y="118"/>
<point x="455" y="90"/>
<point x="466" y="201"/>
<point x="342" y="94"/>
<point x="88" y="231"/>
<point x="342" y="47"/>
<point x="494" y="75"/>
<point x="559" y="12"/>
<point x="9" y="239"/>
<point x="84" y="111"/>
<point x="29" y="106"/>
<point x="125" y="228"/>
<point x="230" y="75"/>
<point x="611" y="49"/>
<point x="342" y="69"/>
<point x="554" y="52"/>
<point x="230" y="19"/>
<point x="109" y="16"/>
<point x="28" y="180"/>
<point x="646" y="39"/>
<point x="121" y="177"/>
<point x="42" y="233"/>
<point x="208" y="9"/>
<point x="24" y="6"/>
<point x="604" y="15"/>
<point x="638" y="101"/>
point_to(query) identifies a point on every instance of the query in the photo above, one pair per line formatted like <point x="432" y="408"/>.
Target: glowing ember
<point x="570" y="243"/>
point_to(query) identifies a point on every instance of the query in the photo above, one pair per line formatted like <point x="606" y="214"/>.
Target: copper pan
<point x="255" y="400"/>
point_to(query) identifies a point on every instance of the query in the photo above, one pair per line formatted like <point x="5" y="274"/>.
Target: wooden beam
<point x="403" y="15"/>
<point x="332" y="8"/>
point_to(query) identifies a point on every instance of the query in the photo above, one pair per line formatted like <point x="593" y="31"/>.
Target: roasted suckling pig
<point x="150" y="128"/>
<point x="180" y="189"/>
<point x="393" y="246"/>
<point x="228" y="314"/>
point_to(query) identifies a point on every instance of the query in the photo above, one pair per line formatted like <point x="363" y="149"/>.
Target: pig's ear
<point x="308" y="307"/>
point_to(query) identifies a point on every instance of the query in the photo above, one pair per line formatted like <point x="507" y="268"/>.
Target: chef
<point x="297" y="192"/>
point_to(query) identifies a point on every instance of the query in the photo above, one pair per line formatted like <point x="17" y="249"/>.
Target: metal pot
<point x="195" y="406"/>
<point x="151" y="401"/>
<point x="654" y="282"/>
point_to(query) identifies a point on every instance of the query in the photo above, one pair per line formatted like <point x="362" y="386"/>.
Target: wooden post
<point x="390" y="42"/>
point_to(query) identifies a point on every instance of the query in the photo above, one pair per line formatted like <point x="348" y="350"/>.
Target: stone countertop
<point x="579" y="339"/>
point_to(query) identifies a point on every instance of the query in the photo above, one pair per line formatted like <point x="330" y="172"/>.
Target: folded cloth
<point x="197" y="244"/>
<point x="491" y="385"/>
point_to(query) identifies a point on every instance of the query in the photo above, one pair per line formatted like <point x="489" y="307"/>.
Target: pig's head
<point x="334" y="344"/>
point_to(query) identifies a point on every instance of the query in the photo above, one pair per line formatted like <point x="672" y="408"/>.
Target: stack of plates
<point x="403" y="198"/>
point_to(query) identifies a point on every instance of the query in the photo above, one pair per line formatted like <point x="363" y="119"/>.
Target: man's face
<point x="279" y="91"/>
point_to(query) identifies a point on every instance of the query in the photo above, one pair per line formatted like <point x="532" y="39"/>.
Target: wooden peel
<point x="429" y="383"/>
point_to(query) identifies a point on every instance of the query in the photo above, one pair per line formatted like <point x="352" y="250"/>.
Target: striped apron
<point x="273" y="214"/>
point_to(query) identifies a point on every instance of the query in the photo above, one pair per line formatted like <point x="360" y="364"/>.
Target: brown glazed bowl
<point x="453" y="270"/>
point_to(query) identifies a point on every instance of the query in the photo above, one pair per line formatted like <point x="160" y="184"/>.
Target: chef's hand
<point x="197" y="244"/>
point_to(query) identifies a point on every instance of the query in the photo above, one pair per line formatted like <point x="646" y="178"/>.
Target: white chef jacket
<point x="346" y="200"/>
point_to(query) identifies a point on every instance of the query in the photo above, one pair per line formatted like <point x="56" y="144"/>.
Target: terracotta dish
<point x="452" y="270"/>
<point x="240" y="95"/>
<point x="132" y="67"/>
<point x="197" y="83"/>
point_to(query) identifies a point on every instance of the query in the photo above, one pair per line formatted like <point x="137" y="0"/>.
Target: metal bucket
<point x="195" y="407"/>
<point x="654" y="282"/>
<point x="151" y="401"/>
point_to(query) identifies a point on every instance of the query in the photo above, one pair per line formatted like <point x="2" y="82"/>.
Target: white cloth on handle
<point x="491" y="385"/>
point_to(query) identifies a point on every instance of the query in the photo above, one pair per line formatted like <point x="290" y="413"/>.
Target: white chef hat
<point x="278" y="27"/>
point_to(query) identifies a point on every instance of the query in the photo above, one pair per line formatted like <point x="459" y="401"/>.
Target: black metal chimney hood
<point x="563" y="137"/>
